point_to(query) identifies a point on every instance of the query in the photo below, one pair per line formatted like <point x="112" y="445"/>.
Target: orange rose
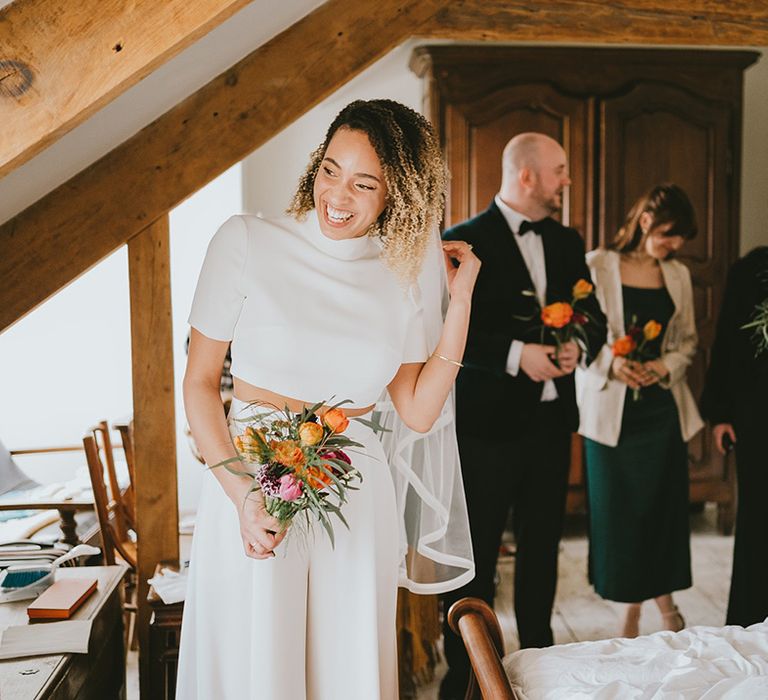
<point x="248" y="443"/>
<point x="651" y="330"/>
<point x="556" y="315"/>
<point x="336" y="420"/>
<point x="582" y="289"/>
<point x="288" y="453"/>
<point x="623" y="346"/>
<point x="316" y="477"/>
<point x="310" y="433"/>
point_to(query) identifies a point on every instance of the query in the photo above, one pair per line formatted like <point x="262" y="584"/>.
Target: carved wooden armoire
<point x="628" y="119"/>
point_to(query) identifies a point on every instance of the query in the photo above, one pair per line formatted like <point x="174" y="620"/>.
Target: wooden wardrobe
<point x="628" y="119"/>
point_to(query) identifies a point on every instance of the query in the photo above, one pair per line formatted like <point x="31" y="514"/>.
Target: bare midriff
<point x="248" y="393"/>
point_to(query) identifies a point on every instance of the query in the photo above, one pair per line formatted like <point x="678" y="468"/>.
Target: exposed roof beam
<point x="82" y="221"/>
<point x="72" y="228"/>
<point x="695" y="22"/>
<point x="60" y="62"/>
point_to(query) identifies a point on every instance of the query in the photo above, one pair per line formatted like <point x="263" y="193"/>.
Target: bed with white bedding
<point x="709" y="663"/>
<point x="702" y="662"/>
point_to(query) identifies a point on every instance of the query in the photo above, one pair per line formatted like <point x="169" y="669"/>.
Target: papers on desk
<point x="170" y="585"/>
<point x="44" y="639"/>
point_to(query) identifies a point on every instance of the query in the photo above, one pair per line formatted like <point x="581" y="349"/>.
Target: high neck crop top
<point x="309" y="317"/>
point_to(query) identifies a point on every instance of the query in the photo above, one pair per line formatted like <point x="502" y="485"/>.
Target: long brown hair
<point x="414" y="171"/>
<point x="666" y="203"/>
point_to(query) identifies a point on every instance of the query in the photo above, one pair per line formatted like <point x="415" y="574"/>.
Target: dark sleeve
<point x="488" y="340"/>
<point x="596" y="329"/>
<point x="717" y="395"/>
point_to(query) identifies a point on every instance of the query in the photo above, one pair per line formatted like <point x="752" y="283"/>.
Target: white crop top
<point x="309" y="317"/>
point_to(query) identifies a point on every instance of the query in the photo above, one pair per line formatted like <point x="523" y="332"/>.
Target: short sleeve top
<point x="309" y="317"/>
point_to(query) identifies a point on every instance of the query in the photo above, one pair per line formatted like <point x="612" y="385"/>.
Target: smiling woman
<point x="349" y="191"/>
<point x="398" y="163"/>
<point x="322" y="303"/>
<point x="635" y="446"/>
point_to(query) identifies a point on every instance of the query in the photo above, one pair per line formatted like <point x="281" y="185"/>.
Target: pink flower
<point x="290" y="489"/>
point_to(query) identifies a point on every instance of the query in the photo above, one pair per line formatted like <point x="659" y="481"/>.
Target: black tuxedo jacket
<point x="736" y="387"/>
<point x="489" y="400"/>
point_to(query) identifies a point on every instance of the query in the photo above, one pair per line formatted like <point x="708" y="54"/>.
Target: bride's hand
<point x="461" y="279"/>
<point x="261" y="532"/>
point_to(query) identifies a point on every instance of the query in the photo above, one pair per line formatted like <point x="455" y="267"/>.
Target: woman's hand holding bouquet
<point x="297" y="464"/>
<point x="633" y="361"/>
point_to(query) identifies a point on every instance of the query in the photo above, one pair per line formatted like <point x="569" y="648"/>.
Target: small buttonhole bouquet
<point x="634" y="345"/>
<point x="565" y="320"/>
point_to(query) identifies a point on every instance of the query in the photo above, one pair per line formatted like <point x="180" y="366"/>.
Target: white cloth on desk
<point x="171" y="586"/>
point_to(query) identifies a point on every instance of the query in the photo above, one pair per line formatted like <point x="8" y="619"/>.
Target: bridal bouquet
<point x="299" y="461"/>
<point x="566" y="319"/>
<point x="634" y="345"/>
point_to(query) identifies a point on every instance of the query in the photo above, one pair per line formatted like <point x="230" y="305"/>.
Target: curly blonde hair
<point x="414" y="172"/>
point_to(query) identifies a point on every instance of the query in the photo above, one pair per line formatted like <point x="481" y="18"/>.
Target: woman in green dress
<point x="637" y="413"/>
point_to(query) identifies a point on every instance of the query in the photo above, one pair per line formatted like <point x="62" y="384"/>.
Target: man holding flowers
<point x="534" y="318"/>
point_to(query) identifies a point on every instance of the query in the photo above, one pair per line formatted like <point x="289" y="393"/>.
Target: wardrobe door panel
<point x="476" y="133"/>
<point x="660" y="133"/>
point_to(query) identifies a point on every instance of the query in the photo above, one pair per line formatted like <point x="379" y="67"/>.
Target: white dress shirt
<point x="532" y="250"/>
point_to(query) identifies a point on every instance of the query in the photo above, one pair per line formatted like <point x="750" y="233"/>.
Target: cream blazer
<point x="600" y="398"/>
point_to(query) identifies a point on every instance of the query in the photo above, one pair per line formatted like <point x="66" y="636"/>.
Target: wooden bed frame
<point x="477" y="625"/>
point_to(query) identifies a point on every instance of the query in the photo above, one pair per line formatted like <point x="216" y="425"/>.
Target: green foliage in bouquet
<point x="300" y="460"/>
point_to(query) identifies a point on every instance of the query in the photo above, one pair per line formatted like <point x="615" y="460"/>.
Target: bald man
<point x="516" y="408"/>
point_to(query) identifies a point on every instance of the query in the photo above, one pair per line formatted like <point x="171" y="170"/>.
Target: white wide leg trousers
<point x="315" y="622"/>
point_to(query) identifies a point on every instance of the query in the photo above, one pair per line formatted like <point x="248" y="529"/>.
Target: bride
<point x="322" y="303"/>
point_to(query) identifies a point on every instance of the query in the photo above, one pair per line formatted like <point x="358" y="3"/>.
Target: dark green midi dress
<point x="638" y="490"/>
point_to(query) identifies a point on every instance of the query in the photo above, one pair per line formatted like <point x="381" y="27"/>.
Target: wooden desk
<point x="66" y="508"/>
<point x="164" y="637"/>
<point x="97" y="675"/>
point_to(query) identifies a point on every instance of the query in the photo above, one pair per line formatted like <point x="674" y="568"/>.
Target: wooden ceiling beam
<point x="694" y="22"/>
<point x="76" y="225"/>
<point x="60" y="62"/>
<point x="69" y="230"/>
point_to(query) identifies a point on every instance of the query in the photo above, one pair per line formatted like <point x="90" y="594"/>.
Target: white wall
<point x="66" y="366"/>
<point x="271" y="173"/>
<point x="68" y="363"/>
<point x="754" y="168"/>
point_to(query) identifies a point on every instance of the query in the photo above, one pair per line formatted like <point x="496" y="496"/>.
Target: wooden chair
<point x="111" y="511"/>
<point x="477" y="625"/>
<point x="125" y="428"/>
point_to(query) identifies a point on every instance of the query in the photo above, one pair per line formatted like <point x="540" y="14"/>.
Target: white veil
<point x="435" y="544"/>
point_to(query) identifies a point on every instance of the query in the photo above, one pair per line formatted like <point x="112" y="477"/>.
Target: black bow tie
<point x="525" y="226"/>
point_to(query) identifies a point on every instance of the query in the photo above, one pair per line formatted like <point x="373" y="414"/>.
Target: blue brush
<point x="22" y="575"/>
<point x="18" y="576"/>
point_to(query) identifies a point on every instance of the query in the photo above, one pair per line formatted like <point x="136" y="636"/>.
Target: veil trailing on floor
<point x="436" y="549"/>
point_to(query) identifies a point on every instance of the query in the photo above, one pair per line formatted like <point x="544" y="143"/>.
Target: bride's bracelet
<point x="448" y="359"/>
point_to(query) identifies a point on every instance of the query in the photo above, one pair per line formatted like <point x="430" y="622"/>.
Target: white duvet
<point x="702" y="662"/>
